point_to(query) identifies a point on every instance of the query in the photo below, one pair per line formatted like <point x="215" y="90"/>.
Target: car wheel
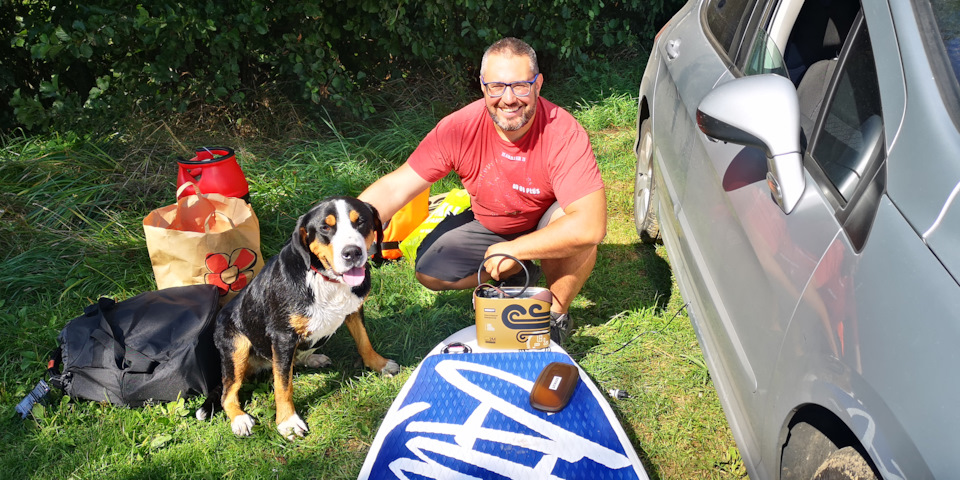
<point x="644" y="212"/>
<point x="810" y="455"/>
<point x="845" y="464"/>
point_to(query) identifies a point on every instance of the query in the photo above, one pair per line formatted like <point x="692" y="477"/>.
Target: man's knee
<point x="430" y="282"/>
<point x="438" y="285"/>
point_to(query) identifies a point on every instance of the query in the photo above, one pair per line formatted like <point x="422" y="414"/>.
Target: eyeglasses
<point x="520" y="89"/>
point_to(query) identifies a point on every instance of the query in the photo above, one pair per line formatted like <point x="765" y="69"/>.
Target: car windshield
<point x="947" y="13"/>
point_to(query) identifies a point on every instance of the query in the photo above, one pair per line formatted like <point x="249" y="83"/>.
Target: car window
<point x="764" y="57"/>
<point x="726" y="20"/>
<point x="819" y="33"/>
<point x="846" y="155"/>
<point x="849" y="137"/>
<point x="940" y="24"/>
<point x="796" y="34"/>
<point x="947" y="15"/>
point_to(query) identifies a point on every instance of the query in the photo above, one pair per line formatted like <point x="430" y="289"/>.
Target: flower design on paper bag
<point x="230" y="273"/>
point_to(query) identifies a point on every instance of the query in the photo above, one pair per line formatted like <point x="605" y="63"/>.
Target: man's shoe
<point x="560" y="326"/>
<point x="519" y="279"/>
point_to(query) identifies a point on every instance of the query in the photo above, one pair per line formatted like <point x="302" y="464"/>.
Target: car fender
<point x="852" y="361"/>
<point x="830" y="384"/>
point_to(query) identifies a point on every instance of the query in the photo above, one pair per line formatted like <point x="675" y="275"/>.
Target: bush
<point x="68" y="62"/>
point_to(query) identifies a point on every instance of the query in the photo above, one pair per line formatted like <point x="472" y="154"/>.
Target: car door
<point x="692" y="61"/>
<point x="756" y="260"/>
<point x="846" y="160"/>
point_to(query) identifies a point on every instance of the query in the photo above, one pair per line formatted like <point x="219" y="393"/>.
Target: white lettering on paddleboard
<point x="458" y="441"/>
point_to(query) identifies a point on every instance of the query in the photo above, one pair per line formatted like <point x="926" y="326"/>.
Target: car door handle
<point x="672" y="48"/>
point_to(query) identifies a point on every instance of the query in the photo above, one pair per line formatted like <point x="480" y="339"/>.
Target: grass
<point x="70" y="213"/>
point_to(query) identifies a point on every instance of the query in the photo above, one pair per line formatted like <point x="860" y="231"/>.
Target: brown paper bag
<point x="206" y="238"/>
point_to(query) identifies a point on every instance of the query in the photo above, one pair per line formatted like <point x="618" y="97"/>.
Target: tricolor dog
<point x="317" y="282"/>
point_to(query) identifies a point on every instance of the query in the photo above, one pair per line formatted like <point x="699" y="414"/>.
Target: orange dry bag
<point x="403" y="222"/>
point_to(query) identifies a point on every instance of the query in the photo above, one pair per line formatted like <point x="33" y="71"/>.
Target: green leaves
<point x="62" y="35"/>
<point x="172" y="53"/>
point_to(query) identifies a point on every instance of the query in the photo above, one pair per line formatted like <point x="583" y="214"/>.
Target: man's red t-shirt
<point x="510" y="184"/>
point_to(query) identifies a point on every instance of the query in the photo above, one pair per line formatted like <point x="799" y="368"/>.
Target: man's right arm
<point x="394" y="190"/>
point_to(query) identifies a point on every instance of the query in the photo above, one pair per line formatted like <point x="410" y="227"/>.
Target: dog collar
<point x="318" y="272"/>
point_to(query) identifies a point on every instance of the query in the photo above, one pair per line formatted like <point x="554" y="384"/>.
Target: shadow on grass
<point x="626" y="277"/>
<point x="653" y="472"/>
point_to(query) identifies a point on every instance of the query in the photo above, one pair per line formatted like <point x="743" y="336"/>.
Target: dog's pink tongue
<point x="354" y="276"/>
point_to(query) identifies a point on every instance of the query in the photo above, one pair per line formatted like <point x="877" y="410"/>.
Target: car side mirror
<point x="760" y="111"/>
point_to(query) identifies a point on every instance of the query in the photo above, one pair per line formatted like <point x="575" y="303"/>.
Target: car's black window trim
<point x="856" y="215"/>
<point x="760" y="14"/>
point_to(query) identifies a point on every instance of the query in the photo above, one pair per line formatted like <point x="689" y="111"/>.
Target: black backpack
<point x="154" y="347"/>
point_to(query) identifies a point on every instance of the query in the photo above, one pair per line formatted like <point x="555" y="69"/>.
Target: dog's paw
<point x="292" y="427"/>
<point x="202" y="414"/>
<point x="391" y="368"/>
<point x="242" y="425"/>
<point x="317" y="360"/>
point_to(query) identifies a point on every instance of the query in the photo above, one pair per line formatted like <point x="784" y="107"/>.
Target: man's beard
<point x="526" y="115"/>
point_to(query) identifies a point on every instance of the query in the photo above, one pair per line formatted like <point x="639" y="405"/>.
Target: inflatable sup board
<point x="465" y="412"/>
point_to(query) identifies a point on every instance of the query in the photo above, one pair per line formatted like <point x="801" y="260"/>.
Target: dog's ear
<point x="378" y="227"/>
<point x="300" y="239"/>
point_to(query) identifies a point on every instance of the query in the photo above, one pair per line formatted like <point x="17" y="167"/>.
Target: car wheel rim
<point x="642" y="185"/>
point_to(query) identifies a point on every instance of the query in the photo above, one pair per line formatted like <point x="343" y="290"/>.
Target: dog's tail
<point x="211" y="405"/>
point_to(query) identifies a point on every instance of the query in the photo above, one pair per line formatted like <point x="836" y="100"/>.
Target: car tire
<point x="644" y="188"/>
<point x="845" y="464"/>
<point x="810" y="455"/>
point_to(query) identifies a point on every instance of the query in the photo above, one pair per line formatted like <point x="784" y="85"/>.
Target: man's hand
<point x="499" y="265"/>
<point x="580" y="226"/>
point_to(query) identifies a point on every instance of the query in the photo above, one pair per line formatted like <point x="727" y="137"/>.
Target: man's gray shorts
<point x="454" y="249"/>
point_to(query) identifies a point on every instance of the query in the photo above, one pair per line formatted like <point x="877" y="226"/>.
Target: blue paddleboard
<point x="468" y="415"/>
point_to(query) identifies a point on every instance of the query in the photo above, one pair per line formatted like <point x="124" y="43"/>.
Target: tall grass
<point x="70" y="215"/>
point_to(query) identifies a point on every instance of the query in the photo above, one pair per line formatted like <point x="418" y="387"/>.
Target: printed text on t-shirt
<point x="530" y="190"/>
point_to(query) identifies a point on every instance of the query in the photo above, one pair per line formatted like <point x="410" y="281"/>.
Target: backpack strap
<point x="127" y="358"/>
<point x="58" y="378"/>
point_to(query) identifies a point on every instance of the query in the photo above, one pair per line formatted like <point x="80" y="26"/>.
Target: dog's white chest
<point x="332" y="303"/>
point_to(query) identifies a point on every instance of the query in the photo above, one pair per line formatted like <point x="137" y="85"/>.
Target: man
<point x="534" y="186"/>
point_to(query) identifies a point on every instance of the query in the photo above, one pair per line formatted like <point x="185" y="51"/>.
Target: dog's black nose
<point x="352" y="253"/>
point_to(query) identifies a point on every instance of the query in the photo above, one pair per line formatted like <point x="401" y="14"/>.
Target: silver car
<point x="800" y="160"/>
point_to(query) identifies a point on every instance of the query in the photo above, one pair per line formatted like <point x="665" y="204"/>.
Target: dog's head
<point x="335" y="236"/>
